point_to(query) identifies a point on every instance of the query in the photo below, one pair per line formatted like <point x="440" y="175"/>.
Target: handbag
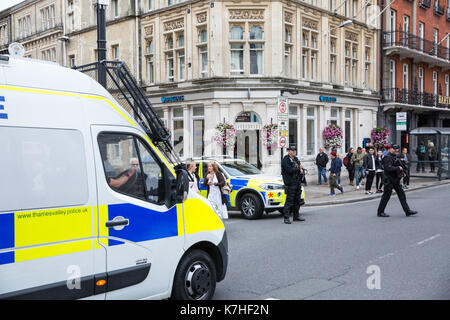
<point x="227" y="188"/>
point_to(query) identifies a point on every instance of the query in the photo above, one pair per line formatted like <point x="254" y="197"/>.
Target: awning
<point x="430" y="130"/>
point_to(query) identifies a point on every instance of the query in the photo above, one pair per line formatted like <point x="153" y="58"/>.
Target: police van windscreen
<point x="239" y="168"/>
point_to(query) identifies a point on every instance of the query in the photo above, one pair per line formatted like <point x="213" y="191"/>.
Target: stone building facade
<point x="204" y="62"/>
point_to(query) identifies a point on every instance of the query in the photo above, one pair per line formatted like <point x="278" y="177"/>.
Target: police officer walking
<point x="292" y="172"/>
<point x="393" y="172"/>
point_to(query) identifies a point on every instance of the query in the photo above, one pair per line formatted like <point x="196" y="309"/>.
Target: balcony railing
<point x="425" y="4"/>
<point x="412" y="97"/>
<point x="407" y="40"/>
<point x="439" y="10"/>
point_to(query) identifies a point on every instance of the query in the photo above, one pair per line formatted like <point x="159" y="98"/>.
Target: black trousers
<point x="351" y="174"/>
<point x="369" y="181"/>
<point x="388" y="186"/>
<point x="379" y="181"/>
<point x="292" y="204"/>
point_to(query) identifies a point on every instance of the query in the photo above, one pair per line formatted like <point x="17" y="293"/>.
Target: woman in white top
<point x="214" y="181"/>
<point x="193" y="180"/>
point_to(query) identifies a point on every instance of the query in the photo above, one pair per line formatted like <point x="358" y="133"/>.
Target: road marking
<point x="428" y="239"/>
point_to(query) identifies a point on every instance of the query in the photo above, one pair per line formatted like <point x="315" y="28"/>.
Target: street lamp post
<point x="101" y="39"/>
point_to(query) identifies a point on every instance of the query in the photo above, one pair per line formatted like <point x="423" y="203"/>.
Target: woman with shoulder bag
<point x="214" y="181"/>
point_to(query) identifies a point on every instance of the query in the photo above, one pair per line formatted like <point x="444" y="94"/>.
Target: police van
<point x="93" y="201"/>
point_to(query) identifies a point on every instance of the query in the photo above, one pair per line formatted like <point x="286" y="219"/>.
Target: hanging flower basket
<point x="380" y="136"/>
<point x="225" y="134"/>
<point x="269" y="134"/>
<point x="332" y="134"/>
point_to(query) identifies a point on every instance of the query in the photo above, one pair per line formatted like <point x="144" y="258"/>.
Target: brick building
<point x="415" y="60"/>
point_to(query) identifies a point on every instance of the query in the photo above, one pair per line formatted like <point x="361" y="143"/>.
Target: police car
<point x="253" y="192"/>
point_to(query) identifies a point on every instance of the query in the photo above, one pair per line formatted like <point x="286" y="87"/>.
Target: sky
<point x="4" y="4"/>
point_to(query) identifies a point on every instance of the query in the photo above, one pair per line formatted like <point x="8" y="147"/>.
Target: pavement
<point x="343" y="251"/>
<point x="317" y="195"/>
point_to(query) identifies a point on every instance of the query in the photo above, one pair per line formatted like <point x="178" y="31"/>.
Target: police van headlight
<point x="271" y="186"/>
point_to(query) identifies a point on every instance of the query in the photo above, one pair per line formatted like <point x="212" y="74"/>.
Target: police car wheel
<point x="251" y="207"/>
<point x="195" y="278"/>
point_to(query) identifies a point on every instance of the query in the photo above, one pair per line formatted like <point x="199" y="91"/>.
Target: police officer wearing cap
<point x="292" y="172"/>
<point x="393" y="172"/>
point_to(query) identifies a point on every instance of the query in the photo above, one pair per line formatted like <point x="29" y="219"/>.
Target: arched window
<point x="256" y="33"/>
<point x="248" y="116"/>
<point x="236" y="33"/>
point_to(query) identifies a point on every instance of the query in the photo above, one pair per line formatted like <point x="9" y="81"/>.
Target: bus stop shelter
<point x="431" y="137"/>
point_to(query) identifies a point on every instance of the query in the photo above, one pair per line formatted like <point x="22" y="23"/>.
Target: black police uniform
<point x="391" y="179"/>
<point x="290" y="170"/>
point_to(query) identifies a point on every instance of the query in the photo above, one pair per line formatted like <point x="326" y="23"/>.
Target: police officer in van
<point x="393" y="173"/>
<point x="292" y="172"/>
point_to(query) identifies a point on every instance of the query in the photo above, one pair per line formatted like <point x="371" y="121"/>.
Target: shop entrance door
<point x="247" y="146"/>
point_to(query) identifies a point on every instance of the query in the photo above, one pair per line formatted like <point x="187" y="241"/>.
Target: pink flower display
<point x="332" y="134"/>
<point x="225" y="134"/>
<point x="380" y="136"/>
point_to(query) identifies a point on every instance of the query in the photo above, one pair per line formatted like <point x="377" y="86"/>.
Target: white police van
<point x="92" y="203"/>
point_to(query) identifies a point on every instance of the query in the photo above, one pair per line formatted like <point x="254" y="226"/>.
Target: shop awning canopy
<point x="430" y="130"/>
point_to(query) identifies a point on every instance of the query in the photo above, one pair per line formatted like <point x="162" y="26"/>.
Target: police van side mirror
<point x="182" y="184"/>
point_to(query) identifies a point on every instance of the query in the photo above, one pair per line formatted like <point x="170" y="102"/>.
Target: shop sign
<point x="327" y="99"/>
<point x="172" y="99"/>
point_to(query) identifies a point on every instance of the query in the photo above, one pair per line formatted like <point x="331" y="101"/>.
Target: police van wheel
<point x="251" y="207"/>
<point x="195" y="278"/>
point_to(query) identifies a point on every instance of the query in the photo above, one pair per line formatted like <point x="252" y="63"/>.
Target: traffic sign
<point x="282" y="142"/>
<point x="401" y="121"/>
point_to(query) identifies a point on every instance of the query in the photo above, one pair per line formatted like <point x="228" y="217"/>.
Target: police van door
<point x="135" y="226"/>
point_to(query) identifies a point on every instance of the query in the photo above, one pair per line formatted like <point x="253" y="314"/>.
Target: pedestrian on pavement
<point x="379" y="171"/>
<point x="194" y="183"/>
<point x="370" y="168"/>
<point x="358" y="162"/>
<point x="393" y="172"/>
<point x="431" y="155"/>
<point x="214" y="182"/>
<point x="404" y="158"/>
<point x="292" y="171"/>
<point x="321" y="163"/>
<point x="421" y="153"/>
<point x="363" y="179"/>
<point x="348" y="163"/>
<point x="335" y="171"/>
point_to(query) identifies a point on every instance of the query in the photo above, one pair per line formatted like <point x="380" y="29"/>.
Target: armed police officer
<point x="292" y="172"/>
<point x="393" y="172"/>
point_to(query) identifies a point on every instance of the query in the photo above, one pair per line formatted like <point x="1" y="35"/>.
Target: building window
<point x="293" y="125"/>
<point x="309" y="54"/>
<point x="348" y="129"/>
<point x="421" y="35"/>
<point x="405" y="76"/>
<point x="203" y="52"/>
<point x="435" y="86"/>
<point x="150" y="5"/>
<point x="198" y="131"/>
<point x="354" y="8"/>
<point x="435" y="40"/>
<point x="71" y="22"/>
<point x="236" y="51"/>
<point x="150" y="62"/>
<point x="333" y="58"/>
<point x="170" y="2"/>
<point x="115" y="52"/>
<point x="181" y="65"/>
<point x="288" y="45"/>
<point x="351" y="62"/>
<point x="170" y="66"/>
<point x="72" y="61"/>
<point x="334" y="116"/>
<point x="115" y="8"/>
<point x="256" y="50"/>
<point x="24" y="26"/>
<point x="367" y="67"/>
<point x="178" y="130"/>
<point x="310" y="130"/>
<point x="447" y="85"/>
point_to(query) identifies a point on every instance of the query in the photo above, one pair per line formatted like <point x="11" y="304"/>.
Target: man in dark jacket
<point x="370" y="168"/>
<point x="393" y="172"/>
<point x="321" y="163"/>
<point x="292" y="172"/>
<point x="335" y="171"/>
